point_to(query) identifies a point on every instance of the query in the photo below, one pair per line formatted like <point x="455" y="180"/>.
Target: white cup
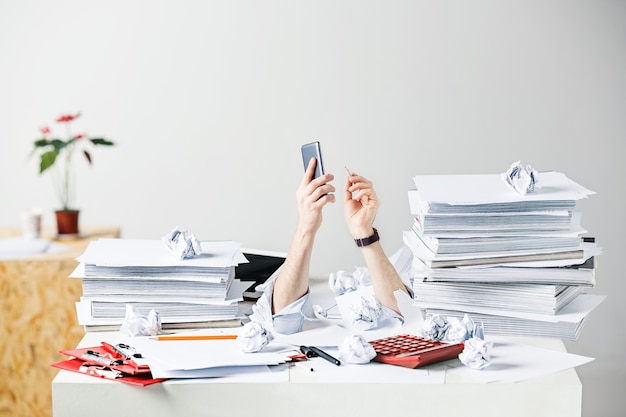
<point x="31" y="223"/>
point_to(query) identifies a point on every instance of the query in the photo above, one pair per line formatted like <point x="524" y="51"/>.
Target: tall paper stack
<point x="187" y="293"/>
<point x="516" y="262"/>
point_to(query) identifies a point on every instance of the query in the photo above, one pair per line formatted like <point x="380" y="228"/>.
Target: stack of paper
<point x="481" y="248"/>
<point x="146" y="275"/>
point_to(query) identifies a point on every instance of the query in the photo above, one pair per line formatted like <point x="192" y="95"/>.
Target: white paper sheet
<point x="139" y="252"/>
<point x="513" y="362"/>
<point x="489" y="188"/>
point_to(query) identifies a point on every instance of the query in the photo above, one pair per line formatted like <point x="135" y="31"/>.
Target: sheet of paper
<point x="332" y="335"/>
<point x="574" y="312"/>
<point x="176" y="355"/>
<point x="153" y="253"/>
<point x="372" y="373"/>
<point x="513" y="362"/>
<point x="230" y="374"/>
<point x="490" y="188"/>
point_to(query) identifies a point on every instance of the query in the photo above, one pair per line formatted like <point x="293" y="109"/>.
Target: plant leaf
<point x="87" y="156"/>
<point x="42" y="142"/>
<point x="47" y="160"/>
<point x="101" y="141"/>
<point x="59" y="144"/>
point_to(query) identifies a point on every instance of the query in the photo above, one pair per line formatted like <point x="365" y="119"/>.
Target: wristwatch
<point x="366" y="241"/>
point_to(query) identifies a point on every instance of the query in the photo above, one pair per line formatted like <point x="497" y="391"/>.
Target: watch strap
<point x="366" y="241"/>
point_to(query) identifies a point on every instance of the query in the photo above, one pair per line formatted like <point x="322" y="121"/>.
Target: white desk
<point x="558" y="394"/>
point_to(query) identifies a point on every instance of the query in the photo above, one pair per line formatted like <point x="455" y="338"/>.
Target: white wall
<point x="209" y="102"/>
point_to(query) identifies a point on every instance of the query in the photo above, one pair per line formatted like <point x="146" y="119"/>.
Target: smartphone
<point x="313" y="150"/>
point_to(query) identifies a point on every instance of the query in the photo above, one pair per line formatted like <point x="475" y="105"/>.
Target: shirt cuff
<point x="288" y="320"/>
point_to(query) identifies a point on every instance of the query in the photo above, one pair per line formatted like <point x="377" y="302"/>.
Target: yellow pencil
<point x="198" y="337"/>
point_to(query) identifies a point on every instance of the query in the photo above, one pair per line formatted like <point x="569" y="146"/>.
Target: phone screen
<point x="313" y="150"/>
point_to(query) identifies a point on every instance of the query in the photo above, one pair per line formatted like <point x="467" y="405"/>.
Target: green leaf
<point x="41" y="143"/>
<point x="47" y="160"/>
<point x="101" y="141"/>
<point x="59" y="144"/>
<point x="87" y="156"/>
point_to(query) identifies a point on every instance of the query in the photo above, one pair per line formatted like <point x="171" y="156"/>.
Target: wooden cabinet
<point x="37" y="318"/>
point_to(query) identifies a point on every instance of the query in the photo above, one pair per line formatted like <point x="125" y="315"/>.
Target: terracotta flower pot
<point x="67" y="222"/>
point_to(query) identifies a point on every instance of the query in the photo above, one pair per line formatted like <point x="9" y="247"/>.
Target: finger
<point x="347" y="194"/>
<point x="310" y="171"/>
<point x="322" y="179"/>
<point x="319" y="192"/>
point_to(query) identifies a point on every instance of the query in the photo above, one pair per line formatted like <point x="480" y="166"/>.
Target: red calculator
<point x="413" y="351"/>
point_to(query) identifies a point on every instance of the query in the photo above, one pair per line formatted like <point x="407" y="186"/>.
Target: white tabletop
<point x="304" y="394"/>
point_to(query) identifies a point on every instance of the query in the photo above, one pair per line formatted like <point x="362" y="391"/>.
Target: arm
<point x="293" y="280"/>
<point x="360" y="208"/>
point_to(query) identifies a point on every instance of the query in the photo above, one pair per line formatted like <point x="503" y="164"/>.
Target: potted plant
<point x="53" y="149"/>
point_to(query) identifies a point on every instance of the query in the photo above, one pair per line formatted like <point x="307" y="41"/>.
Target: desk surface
<point x="75" y="245"/>
<point x="558" y="394"/>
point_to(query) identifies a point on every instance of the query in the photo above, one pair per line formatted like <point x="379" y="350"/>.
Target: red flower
<point x="67" y="118"/>
<point x="79" y="136"/>
<point x="45" y="130"/>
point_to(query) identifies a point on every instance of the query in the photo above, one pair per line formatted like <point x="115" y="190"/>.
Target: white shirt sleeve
<point x="286" y="321"/>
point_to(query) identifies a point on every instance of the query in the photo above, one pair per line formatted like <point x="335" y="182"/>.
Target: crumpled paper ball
<point x="367" y="314"/>
<point x="435" y="327"/>
<point x="341" y="282"/>
<point x="355" y="349"/>
<point x="451" y="329"/>
<point x="182" y="243"/>
<point x="461" y="330"/>
<point x="253" y="337"/>
<point x="476" y="353"/>
<point x="136" y="324"/>
<point x="521" y="179"/>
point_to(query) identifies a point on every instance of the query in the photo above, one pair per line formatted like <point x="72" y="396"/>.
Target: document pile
<point x="186" y="293"/>
<point x="516" y="262"/>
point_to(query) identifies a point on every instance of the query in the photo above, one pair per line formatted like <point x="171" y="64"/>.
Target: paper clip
<point x="96" y="357"/>
<point x="128" y="352"/>
<point x="102" y="372"/>
<point x="121" y="350"/>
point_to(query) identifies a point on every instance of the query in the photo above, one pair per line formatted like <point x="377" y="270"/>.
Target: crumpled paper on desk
<point x="476" y="352"/>
<point x="451" y="329"/>
<point x="341" y="282"/>
<point x="136" y="324"/>
<point x="367" y="314"/>
<point x="355" y="349"/>
<point x="254" y="337"/>
<point x="521" y="179"/>
<point x="182" y="243"/>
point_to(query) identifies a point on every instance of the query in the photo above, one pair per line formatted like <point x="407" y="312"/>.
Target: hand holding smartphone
<point x="313" y="150"/>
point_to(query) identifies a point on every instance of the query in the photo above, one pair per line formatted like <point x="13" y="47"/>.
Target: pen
<point x="319" y="352"/>
<point x="348" y="171"/>
<point x="199" y="337"/>
<point x="312" y="351"/>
